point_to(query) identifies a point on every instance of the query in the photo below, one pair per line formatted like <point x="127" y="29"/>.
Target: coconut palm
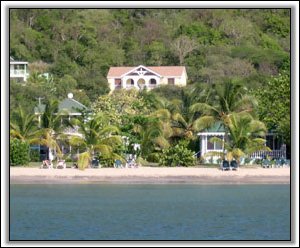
<point x="23" y="126"/>
<point x="46" y="137"/>
<point x="97" y="137"/>
<point x="186" y="123"/>
<point x="226" y="98"/>
<point x="152" y="131"/>
<point x="53" y="123"/>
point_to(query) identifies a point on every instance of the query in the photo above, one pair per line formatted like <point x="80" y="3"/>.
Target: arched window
<point x="129" y="83"/>
<point x="141" y="83"/>
<point x="152" y="81"/>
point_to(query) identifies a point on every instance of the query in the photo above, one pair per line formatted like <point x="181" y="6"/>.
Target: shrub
<point x="34" y="155"/>
<point x="247" y="161"/>
<point x="153" y="157"/>
<point x="258" y="161"/>
<point x="19" y="152"/>
<point x="177" y="155"/>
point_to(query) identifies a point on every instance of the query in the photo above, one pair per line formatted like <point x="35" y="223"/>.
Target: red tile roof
<point x="175" y="71"/>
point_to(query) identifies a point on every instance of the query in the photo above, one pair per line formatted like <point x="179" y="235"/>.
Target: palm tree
<point x="226" y="98"/>
<point x="23" y="126"/>
<point x="97" y="137"/>
<point x="46" y="137"/>
<point x="245" y="136"/>
<point x="184" y="122"/>
<point x="53" y="123"/>
<point x="152" y="131"/>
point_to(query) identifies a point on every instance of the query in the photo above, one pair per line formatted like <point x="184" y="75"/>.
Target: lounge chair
<point x="118" y="164"/>
<point x="277" y="163"/>
<point x="233" y="165"/>
<point x="75" y="166"/>
<point x="61" y="164"/>
<point x="285" y="162"/>
<point x="131" y="163"/>
<point x="225" y="165"/>
<point x="46" y="164"/>
<point x="266" y="163"/>
<point x="95" y="163"/>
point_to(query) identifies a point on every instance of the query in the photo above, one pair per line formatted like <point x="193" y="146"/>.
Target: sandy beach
<point x="21" y="175"/>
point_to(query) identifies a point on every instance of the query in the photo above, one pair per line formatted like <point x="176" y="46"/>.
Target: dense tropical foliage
<point x="237" y="63"/>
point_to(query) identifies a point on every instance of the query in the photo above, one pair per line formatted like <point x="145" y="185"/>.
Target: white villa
<point x="18" y="70"/>
<point x="148" y="77"/>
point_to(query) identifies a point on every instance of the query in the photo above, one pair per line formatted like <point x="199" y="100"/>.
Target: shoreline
<point x="150" y="175"/>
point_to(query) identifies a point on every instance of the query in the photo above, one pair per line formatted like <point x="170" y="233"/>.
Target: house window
<point x="152" y="81"/>
<point x="210" y="145"/>
<point x="213" y="145"/>
<point x="129" y="82"/>
<point x="118" y="83"/>
<point x="171" y="81"/>
<point x="273" y="142"/>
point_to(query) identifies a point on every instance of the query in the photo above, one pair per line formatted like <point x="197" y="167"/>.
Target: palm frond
<point x="84" y="160"/>
<point x="178" y="118"/>
<point x="203" y="122"/>
<point x="203" y="108"/>
<point x="161" y="142"/>
<point x="77" y="141"/>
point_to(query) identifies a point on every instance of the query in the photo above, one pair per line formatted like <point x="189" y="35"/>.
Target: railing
<point x="18" y="73"/>
<point x="273" y="154"/>
<point x="72" y="131"/>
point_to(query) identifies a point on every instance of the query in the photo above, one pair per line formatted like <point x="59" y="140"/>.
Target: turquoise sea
<point x="149" y="212"/>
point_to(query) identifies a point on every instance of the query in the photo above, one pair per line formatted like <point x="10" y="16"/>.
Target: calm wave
<point x="150" y="212"/>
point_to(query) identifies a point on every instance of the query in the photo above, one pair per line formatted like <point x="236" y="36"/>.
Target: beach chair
<point x="287" y="163"/>
<point x="277" y="163"/>
<point x="46" y="164"/>
<point x="233" y="165"/>
<point x="95" y="163"/>
<point x="225" y="165"/>
<point x="118" y="164"/>
<point x="131" y="163"/>
<point x="61" y="164"/>
<point x="75" y="166"/>
<point x="266" y="163"/>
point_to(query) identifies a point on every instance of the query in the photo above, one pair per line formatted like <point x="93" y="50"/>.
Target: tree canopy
<point x="211" y="43"/>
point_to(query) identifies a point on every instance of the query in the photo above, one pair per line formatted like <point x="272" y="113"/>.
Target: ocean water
<point x="149" y="212"/>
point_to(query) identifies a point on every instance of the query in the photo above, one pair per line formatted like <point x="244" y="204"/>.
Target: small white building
<point x="278" y="148"/>
<point x="18" y="70"/>
<point x="148" y="77"/>
<point x="206" y="146"/>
